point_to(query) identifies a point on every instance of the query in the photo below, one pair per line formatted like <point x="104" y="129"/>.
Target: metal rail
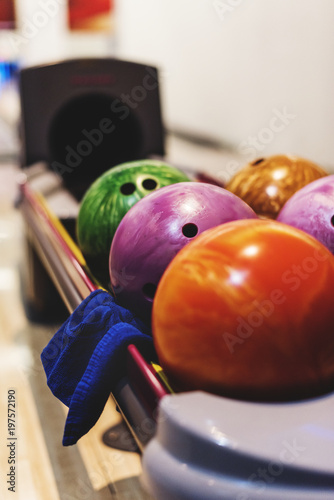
<point x="66" y="267"/>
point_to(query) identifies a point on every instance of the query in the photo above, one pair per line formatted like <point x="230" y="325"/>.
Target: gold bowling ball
<point x="267" y="183"/>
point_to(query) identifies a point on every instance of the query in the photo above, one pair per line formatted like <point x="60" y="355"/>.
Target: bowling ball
<point x="107" y="201"/>
<point x="267" y="183"/>
<point x="246" y="311"/>
<point x="156" y="228"/>
<point x="312" y="210"/>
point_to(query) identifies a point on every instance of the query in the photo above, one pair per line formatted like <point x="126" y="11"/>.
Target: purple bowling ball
<point x="311" y="209"/>
<point x="156" y="228"/>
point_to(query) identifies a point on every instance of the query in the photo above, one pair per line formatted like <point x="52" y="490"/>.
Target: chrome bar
<point x="66" y="268"/>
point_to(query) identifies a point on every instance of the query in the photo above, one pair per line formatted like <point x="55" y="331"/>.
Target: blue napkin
<point x="87" y="357"/>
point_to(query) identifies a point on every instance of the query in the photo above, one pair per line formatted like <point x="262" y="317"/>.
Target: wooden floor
<point x="44" y="469"/>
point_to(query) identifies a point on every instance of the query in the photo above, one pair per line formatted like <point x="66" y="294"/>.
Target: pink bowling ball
<point x="156" y="228"/>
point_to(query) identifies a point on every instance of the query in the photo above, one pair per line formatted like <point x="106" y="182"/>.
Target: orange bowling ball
<point x="267" y="183"/>
<point x="246" y="310"/>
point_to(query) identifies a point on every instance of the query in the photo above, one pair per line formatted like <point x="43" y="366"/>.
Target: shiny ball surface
<point x="311" y="209"/>
<point x="156" y="228"/>
<point x="267" y="183"/>
<point x="246" y="311"/>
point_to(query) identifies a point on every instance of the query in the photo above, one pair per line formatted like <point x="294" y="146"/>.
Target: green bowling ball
<point x="107" y="201"/>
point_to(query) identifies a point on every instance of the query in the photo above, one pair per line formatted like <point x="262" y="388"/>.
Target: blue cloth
<point x="87" y="357"/>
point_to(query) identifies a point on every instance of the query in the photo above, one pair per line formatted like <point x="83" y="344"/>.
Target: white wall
<point x="257" y="74"/>
<point x="230" y="68"/>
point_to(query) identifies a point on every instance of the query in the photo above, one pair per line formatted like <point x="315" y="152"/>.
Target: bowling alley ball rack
<point x="193" y="444"/>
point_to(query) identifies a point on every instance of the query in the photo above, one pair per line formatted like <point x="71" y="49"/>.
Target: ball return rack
<point x="194" y="445"/>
